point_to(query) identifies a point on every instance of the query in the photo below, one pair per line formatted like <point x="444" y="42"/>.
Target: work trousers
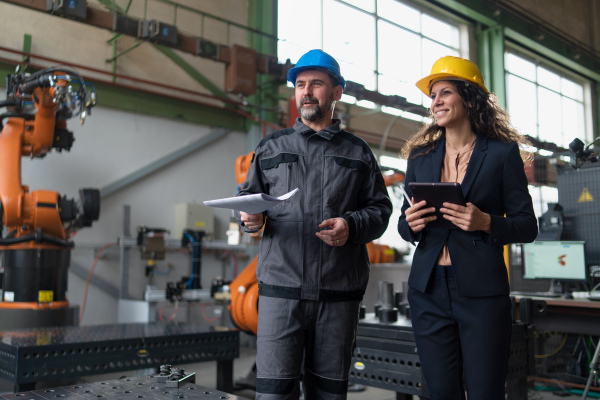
<point x="456" y="334"/>
<point x="320" y="333"/>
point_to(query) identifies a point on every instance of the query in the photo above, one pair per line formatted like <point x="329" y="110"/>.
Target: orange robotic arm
<point x="33" y="133"/>
<point x="36" y="251"/>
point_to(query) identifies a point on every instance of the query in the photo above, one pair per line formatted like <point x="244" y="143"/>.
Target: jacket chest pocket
<point x="281" y="173"/>
<point x="343" y="181"/>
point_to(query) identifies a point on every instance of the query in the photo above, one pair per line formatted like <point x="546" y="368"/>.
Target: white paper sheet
<point x="251" y="204"/>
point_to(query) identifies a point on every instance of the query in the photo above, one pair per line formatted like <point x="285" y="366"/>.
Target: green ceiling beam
<point x="112" y="6"/>
<point x="581" y="66"/>
<point x="193" y="72"/>
<point x="26" y="47"/>
<point x="455" y="8"/>
<point x="596" y="115"/>
<point x="522" y="32"/>
<point x="132" y="100"/>
<point x="162" y="106"/>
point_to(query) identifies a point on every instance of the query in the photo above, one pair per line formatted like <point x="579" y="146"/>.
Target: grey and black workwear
<point x="337" y="176"/>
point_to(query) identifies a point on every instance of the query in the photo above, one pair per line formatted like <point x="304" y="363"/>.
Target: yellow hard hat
<point x="448" y="68"/>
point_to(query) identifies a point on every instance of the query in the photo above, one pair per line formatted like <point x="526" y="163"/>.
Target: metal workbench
<point x="386" y="357"/>
<point x="125" y="388"/>
<point x="32" y="355"/>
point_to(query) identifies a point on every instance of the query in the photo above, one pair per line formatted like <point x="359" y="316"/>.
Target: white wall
<point x="113" y="144"/>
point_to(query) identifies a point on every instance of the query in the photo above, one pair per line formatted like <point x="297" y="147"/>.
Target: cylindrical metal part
<point x="377" y="308"/>
<point x="388" y="314"/>
<point x="165" y="369"/>
<point x="402" y="308"/>
<point x="380" y="285"/>
<point x="398" y="298"/>
<point x="387" y="296"/>
<point x="362" y="312"/>
<point x="35" y="275"/>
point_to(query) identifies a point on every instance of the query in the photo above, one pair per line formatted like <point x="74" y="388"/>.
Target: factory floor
<point x="206" y="373"/>
<point x="206" y="376"/>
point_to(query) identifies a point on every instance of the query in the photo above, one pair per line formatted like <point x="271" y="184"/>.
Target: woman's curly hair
<point x="485" y="115"/>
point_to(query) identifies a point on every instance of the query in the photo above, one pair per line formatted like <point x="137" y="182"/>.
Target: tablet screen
<point x="435" y="194"/>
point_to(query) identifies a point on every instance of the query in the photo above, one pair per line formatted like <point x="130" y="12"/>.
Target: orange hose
<point x="33" y="305"/>
<point x="244" y="298"/>
<point x="87" y="283"/>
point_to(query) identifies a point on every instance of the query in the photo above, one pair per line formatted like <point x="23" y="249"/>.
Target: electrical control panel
<point x="158" y="32"/>
<point x="75" y="9"/>
<point x="197" y="217"/>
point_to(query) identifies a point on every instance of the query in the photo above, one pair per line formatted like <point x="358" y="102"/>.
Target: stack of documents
<point x="252" y="203"/>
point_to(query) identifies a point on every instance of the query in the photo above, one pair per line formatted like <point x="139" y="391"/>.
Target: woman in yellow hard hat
<point x="458" y="284"/>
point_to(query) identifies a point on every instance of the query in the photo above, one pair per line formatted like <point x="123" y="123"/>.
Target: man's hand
<point x="252" y="221"/>
<point x="338" y="233"/>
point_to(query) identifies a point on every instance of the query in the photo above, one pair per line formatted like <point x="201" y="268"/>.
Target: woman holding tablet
<point x="458" y="284"/>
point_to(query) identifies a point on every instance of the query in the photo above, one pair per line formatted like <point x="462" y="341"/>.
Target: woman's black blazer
<point x="495" y="182"/>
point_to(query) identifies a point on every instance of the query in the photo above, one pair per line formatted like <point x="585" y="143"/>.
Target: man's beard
<point x="314" y="112"/>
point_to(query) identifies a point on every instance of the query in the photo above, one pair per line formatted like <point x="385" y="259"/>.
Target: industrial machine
<point x="37" y="226"/>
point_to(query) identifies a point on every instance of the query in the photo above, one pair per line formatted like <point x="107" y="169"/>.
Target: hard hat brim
<point x="425" y="84"/>
<point x="293" y="72"/>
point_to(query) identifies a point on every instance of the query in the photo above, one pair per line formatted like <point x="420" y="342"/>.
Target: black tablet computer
<point x="435" y="194"/>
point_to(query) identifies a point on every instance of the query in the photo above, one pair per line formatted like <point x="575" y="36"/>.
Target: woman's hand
<point x="415" y="213"/>
<point x="468" y="218"/>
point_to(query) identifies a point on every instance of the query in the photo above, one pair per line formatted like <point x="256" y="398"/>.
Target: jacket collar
<point x="327" y="133"/>
<point x="475" y="162"/>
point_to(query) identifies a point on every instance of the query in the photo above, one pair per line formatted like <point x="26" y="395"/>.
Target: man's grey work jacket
<point x="338" y="176"/>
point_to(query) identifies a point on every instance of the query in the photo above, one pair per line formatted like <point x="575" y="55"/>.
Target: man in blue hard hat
<point x="313" y="265"/>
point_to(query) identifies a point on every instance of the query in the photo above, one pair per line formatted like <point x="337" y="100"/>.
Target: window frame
<point x="463" y="50"/>
<point x="563" y="72"/>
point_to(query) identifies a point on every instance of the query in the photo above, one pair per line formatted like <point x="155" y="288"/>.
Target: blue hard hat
<point x="317" y="59"/>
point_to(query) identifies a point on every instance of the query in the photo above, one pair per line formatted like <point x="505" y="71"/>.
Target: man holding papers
<point x="313" y="265"/>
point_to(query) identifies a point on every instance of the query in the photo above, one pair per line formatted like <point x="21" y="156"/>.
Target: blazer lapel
<point x="437" y="159"/>
<point x="475" y="162"/>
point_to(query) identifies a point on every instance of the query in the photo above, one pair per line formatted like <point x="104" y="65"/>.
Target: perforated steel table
<point x="28" y="356"/>
<point x="123" y="389"/>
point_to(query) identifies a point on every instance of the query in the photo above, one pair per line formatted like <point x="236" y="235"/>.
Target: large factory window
<point x="545" y="103"/>
<point x="384" y="45"/>
<point x="550" y="105"/>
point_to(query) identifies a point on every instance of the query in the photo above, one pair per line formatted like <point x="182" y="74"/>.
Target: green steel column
<point x="262" y="15"/>
<point x="596" y="106"/>
<point x="26" y="47"/>
<point x="490" y="51"/>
